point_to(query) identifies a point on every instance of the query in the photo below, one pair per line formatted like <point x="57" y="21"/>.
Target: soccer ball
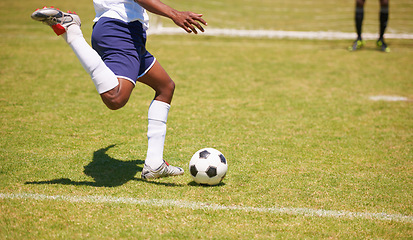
<point x="208" y="166"/>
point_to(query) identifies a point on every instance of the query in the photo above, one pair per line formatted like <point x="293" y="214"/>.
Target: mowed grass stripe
<point x="208" y="206"/>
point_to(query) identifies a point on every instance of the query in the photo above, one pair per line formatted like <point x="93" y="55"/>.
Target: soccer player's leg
<point x="68" y="26"/>
<point x="56" y="19"/>
<point x="383" y="16"/>
<point x="117" y="97"/>
<point x="359" y="16"/>
<point x="158" y="80"/>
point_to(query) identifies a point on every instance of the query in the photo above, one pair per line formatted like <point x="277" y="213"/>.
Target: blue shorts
<point x="121" y="45"/>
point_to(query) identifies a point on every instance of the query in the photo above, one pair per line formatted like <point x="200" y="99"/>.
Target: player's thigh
<point x="158" y="79"/>
<point x="360" y="3"/>
<point x="117" y="97"/>
<point x="384" y="3"/>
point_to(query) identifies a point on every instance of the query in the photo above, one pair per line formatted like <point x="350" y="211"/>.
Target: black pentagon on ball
<point x="204" y="154"/>
<point x="211" y="171"/>
<point x="193" y="170"/>
<point x="223" y="160"/>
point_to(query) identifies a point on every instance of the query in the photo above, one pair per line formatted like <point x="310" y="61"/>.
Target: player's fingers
<point x="193" y="29"/>
<point x="190" y="22"/>
<point x="199" y="26"/>
<point x="198" y="17"/>
<point x="196" y="24"/>
<point x="189" y="28"/>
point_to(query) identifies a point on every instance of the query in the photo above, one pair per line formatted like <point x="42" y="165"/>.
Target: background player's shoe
<point x="56" y="19"/>
<point x="165" y="170"/>
<point x="356" y="45"/>
<point x="383" y="46"/>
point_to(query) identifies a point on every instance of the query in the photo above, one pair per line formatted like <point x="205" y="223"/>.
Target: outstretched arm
<point x="189" y="21"/>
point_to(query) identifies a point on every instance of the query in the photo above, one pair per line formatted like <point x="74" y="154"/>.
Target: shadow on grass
<point x="194" y="184"/>
<point x="106" y="172"/>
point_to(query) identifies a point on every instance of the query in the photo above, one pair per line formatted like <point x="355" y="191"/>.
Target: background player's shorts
<point x="121" y="45"/>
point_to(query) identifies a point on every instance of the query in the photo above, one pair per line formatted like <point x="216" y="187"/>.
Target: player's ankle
<point x="73" y="32"/>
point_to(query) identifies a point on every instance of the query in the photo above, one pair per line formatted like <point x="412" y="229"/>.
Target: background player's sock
<point x="157" y="117"/>
<point x="103" y="78"/>
<point x="384" y="16"/>
<point x="359" y="21"/>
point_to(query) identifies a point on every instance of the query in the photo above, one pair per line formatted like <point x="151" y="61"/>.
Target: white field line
<point x="207" y="206"/>
<point x="389" y="98"/>
<point x="322" y="35"/>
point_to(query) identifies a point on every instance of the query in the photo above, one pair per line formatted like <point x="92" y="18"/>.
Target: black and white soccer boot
<point x="58" y="20"/>
<point x="165" y="170"/>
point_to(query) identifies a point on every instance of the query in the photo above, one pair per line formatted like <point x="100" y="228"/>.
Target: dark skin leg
<point x="360" y="3"/>
<point x="156" y="78"/>
<point x="383" y="3"/>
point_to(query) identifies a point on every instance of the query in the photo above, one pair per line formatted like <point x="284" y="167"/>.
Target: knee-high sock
<point x="359" y="21"/>
<point x="103" y="78"/>
<point x="384" y="17"/>
<point x="157" y="117"/>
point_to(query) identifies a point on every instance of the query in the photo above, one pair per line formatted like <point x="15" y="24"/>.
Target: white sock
<point x="103" y="78"/>
<point x="157" y="117"/>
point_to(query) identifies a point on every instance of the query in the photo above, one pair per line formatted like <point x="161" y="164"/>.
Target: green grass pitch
<point x="294" y="119"/>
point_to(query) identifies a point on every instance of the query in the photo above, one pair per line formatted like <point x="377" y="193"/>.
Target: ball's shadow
<point x="194" y="184"/>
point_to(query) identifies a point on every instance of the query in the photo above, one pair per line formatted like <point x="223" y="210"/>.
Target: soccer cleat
<point x="356" y="45"/>
<point x="383" y="46"/>
<point x="165" y="170"/>
<point x="58" y="20"/>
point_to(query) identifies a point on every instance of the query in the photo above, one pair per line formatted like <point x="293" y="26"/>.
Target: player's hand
<point x="189" y="21"/>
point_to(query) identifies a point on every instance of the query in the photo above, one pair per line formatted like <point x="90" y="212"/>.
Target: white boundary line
<point x="207" y="206"/>
<point x="321" y="35"/>
<point x="389" y="98"/>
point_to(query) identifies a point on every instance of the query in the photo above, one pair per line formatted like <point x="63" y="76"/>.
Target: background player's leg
<point x="384" y="16"/>
<point x="359" y="16"/>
